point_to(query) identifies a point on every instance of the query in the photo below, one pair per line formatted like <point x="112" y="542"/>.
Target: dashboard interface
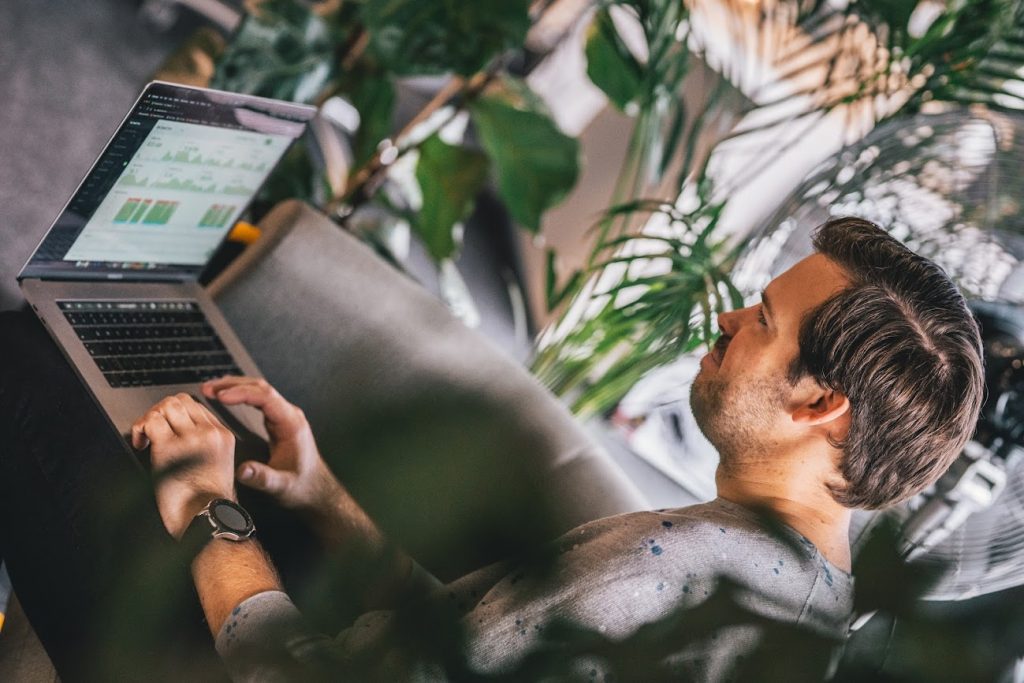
<point x="171" y="183"/>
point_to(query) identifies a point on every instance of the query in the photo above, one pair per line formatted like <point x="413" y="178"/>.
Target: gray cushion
<point x="456" y="450"/>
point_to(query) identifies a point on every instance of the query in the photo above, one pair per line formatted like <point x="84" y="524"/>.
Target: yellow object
<point x="1" y="621"/>
<point x="243" y="232"/>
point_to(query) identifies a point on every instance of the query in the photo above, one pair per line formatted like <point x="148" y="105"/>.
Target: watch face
<point x="231" y="517"/>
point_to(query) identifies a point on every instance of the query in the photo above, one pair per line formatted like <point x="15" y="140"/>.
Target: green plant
<point x="357" y="49"/>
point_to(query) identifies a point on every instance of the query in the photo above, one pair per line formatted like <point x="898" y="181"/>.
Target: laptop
<point x="115" y="280"/>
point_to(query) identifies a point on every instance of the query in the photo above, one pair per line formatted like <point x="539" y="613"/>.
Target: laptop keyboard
<point x="149" y="343"/>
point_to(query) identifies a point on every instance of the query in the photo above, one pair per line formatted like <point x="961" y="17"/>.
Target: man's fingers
<point x="139" y="438"/>
<point x="173" y="416"/>
<point x="261" y="395"/>
<point x="211" y="387"/>
<point x="199" y="413"/>
<point x="174" y="408"/>
<point x="258" y="476"/>
<point x="151" y="426"/>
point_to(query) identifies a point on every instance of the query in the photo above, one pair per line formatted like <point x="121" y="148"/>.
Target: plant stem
<point x="365" y="182"/>
<point x="367" y="179"/>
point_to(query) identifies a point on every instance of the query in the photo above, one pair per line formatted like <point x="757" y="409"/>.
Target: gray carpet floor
<point x="69" y="70"/>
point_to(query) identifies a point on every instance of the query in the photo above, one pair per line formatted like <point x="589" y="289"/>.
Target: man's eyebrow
<point x="766" y="303"/>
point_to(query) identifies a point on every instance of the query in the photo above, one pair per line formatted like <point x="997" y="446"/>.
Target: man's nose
<point x="727" y="323"/>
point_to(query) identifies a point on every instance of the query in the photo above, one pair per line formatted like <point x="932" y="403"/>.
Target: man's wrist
<point x="180" y="516"/>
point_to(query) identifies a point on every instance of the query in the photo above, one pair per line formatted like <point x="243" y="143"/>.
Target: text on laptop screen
<point x="171" y="183"/>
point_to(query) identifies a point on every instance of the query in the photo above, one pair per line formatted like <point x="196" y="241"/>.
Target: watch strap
<point x="197" y="535"/>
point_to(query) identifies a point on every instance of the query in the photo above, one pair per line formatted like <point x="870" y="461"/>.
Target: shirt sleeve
<point x="266" y="639"/>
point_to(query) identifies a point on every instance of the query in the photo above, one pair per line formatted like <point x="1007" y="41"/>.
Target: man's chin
<point x="699" y="407"/>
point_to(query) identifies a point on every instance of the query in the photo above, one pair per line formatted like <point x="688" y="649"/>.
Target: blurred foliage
<point x="535" y="163"/>
<point x="284" y="51"/>
<point x="610" y="65"/>
<point x="147" y="620"/>
<point x="421" y="37"/>
<point x="450" y="178"/>
<point x="358" y="49"/>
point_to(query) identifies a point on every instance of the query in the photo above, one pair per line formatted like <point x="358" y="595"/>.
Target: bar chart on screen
<point x="146" y="211"/>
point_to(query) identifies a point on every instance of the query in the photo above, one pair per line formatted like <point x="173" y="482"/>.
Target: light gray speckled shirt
<point x="611" y="576"/>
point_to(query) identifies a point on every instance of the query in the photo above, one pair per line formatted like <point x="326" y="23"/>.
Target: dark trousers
<point x="99" y="578"/>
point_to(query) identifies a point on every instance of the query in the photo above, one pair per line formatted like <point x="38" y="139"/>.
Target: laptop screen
<point x="173" y="180"/>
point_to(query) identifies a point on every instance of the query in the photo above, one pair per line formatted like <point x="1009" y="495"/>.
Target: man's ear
<point x="817" y="405"/>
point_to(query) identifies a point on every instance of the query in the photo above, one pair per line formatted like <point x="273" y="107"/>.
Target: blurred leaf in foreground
<point x="536" y="163"/>
<point x="450" y="178"/>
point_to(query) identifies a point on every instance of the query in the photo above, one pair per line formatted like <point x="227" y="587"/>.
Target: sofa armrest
<point x="457" y="451"/>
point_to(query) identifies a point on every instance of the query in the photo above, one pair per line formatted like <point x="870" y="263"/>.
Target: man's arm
<point x="193" y="462"/>
<point x="299" y="479"/>
<point x="183" y="431"/>
<point x="228" y="573"/>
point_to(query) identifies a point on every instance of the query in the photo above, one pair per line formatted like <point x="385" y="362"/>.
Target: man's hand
<point x="296" y="476"/>
<point x="192" y="454"/>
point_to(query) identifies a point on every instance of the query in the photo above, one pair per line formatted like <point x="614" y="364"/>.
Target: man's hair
<point x="902" y="345"/>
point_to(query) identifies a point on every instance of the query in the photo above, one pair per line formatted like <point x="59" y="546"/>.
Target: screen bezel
<point x="64" y="270"/>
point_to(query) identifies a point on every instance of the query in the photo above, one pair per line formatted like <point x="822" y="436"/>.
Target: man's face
<point x="742" y="398"/>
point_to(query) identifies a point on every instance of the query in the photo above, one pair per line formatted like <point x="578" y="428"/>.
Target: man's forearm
<point x="226" y="573"/>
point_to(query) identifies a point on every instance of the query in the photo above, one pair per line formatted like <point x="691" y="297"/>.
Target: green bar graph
<point x="217" y="216"/>
<point x="225" y="214"/>
<point x="161" y="213"/>
<point x="141" y="209"/>
<point x="126" y="211"/>
<point x="207" y="220"/>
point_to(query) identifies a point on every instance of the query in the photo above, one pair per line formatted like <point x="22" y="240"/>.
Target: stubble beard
<point x="736" y="416"/>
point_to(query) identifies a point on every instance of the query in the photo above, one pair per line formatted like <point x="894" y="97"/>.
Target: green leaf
<point x="895" y="13"/>
<point x="373" y="96"/>
<point x="285" y="52"/>
<point x="437" y="36"/>
<point x="610" y="64"/>
<point x="676" y="119"/>
<point x="553" y="295"/>
<point x="536" y="163"/>
<point x="450" y="178"/>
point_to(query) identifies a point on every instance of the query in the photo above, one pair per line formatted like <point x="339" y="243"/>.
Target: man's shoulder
<point x="717" y="522"/>
<point x="741" y="536"/>
<point x="714" y="539"/>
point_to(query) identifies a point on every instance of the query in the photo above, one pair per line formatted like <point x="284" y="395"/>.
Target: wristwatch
<point x="221" y="518"/>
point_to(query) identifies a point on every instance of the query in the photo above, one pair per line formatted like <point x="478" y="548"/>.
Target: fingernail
<point x="247" y="473"/>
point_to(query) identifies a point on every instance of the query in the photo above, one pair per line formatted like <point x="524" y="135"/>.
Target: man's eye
<point x="760" y="317"/>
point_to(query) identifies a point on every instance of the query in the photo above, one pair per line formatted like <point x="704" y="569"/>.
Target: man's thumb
<point x="258" y="476"/>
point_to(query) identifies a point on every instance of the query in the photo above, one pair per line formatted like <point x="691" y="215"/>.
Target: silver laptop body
<point x="116" y="278"/>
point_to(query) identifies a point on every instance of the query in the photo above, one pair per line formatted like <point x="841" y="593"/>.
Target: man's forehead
<point x="807" y="284"/>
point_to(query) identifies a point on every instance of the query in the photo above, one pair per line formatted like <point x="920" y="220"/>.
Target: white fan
<point x="951" y="187"/>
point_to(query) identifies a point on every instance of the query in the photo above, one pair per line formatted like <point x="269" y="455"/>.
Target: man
<point x="854" y="383"/>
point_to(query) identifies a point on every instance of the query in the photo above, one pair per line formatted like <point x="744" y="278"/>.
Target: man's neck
<point x="814" y="515"/>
